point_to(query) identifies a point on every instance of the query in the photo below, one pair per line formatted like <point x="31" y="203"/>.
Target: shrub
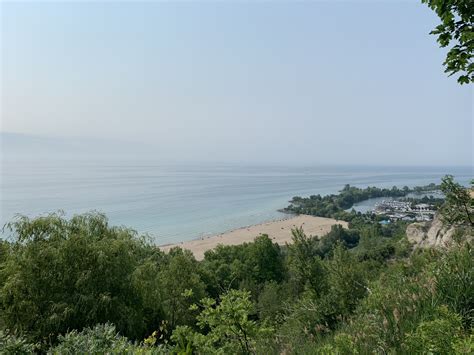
<point x="11" y="344"/>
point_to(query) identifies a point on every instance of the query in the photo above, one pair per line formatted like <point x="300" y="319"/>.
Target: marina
<point x="405" y="211"/>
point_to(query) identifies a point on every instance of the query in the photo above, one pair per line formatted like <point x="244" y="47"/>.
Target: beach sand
<point x="279" y="231"/>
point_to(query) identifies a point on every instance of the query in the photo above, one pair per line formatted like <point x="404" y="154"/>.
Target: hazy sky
<point x="309" y="82"/>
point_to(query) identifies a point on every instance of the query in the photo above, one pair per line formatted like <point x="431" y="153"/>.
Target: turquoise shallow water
<point x="177" y="203"/>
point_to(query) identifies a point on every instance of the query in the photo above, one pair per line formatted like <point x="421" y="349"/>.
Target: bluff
<point x="430" y="234"/>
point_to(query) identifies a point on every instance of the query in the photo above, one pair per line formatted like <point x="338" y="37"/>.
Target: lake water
<point x="178" y="203"/>
<point x="368" y="205"/>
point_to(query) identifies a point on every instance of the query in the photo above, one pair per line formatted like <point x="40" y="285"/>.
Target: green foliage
<point x="459" y="205"/>
<point x="181" y="287"/>
<point x="305" y="263"/>
<point x="267" y="261"/>
<point x="338" y="235"/>
<point x="145" y="280"/>
<point x="68" y="274"/>
<point x="271" y="301"/>
<point x="373" y="246"/>
<point x="437" y="336"/>
<point x="246" y="266"/>
<point x="229" y="329"/>
<point x="315" y="314"/>
<point x="396" y="303"/>
<point x="406" y="310"/>
<point x="183" y="337"/>
<point x="464" y="345"/>
<point x="347" y="285"/>
<point x="342" y="344"/>
<point x="4" y="250"/>
<point x="11" y="344"/>
<point x="102" y="338"/>
<point x="457" y="27"/>
<point x="454" y="281"/>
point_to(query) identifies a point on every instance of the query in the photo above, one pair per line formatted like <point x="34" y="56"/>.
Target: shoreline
<point x="206" y="236"/>
<point x="278" y="230"/>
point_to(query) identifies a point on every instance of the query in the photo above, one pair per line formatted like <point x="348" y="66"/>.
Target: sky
<point x="323" y="82"/>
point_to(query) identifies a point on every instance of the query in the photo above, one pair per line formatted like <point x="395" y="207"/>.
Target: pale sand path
<point x="279" y="231"/>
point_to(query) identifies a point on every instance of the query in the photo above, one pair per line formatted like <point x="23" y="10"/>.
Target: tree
<point x="271" y="300"/>
<point x="459" y="205"/>
<point x="266" y="259"/>
<point x="181" y="286"/>
<point x="228" y="328"/>
<point x="347" y="284"/>
<point x="68" y="274"/>
<point x="457" y="26"/>
<point x="305" y="263"/>
<point x="246" y="266"/>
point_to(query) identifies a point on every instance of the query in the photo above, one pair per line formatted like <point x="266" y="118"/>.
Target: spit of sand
<point x="279" y="231"/>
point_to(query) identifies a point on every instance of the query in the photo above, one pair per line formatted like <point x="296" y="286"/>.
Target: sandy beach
<point x="279" y="231"/>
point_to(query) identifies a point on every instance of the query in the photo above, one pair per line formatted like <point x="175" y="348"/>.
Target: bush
<point x="437" y="336"/>
<point x="226" y="326"/>
<point x="103" y="338"/>
<point x="10" y="344"/>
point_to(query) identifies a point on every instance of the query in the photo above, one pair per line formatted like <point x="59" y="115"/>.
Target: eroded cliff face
<point x="430" y="234"/>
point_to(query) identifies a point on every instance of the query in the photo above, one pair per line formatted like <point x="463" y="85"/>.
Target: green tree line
<point x="336" y="205"/>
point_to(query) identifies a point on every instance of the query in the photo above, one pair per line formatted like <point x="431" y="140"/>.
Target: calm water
<point x="176" y="203"/>
<point x="368" y="205"/>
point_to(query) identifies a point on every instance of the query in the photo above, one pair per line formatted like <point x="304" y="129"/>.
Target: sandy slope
<point x="279" y="231"/>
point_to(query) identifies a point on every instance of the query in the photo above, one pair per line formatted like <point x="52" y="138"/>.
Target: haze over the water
<point x="268" y="82"/>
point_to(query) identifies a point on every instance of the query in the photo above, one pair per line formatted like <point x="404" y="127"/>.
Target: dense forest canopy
<point x="80" y="285"/>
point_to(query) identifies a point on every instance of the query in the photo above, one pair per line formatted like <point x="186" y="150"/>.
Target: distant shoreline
<point x="279" y="231"/>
